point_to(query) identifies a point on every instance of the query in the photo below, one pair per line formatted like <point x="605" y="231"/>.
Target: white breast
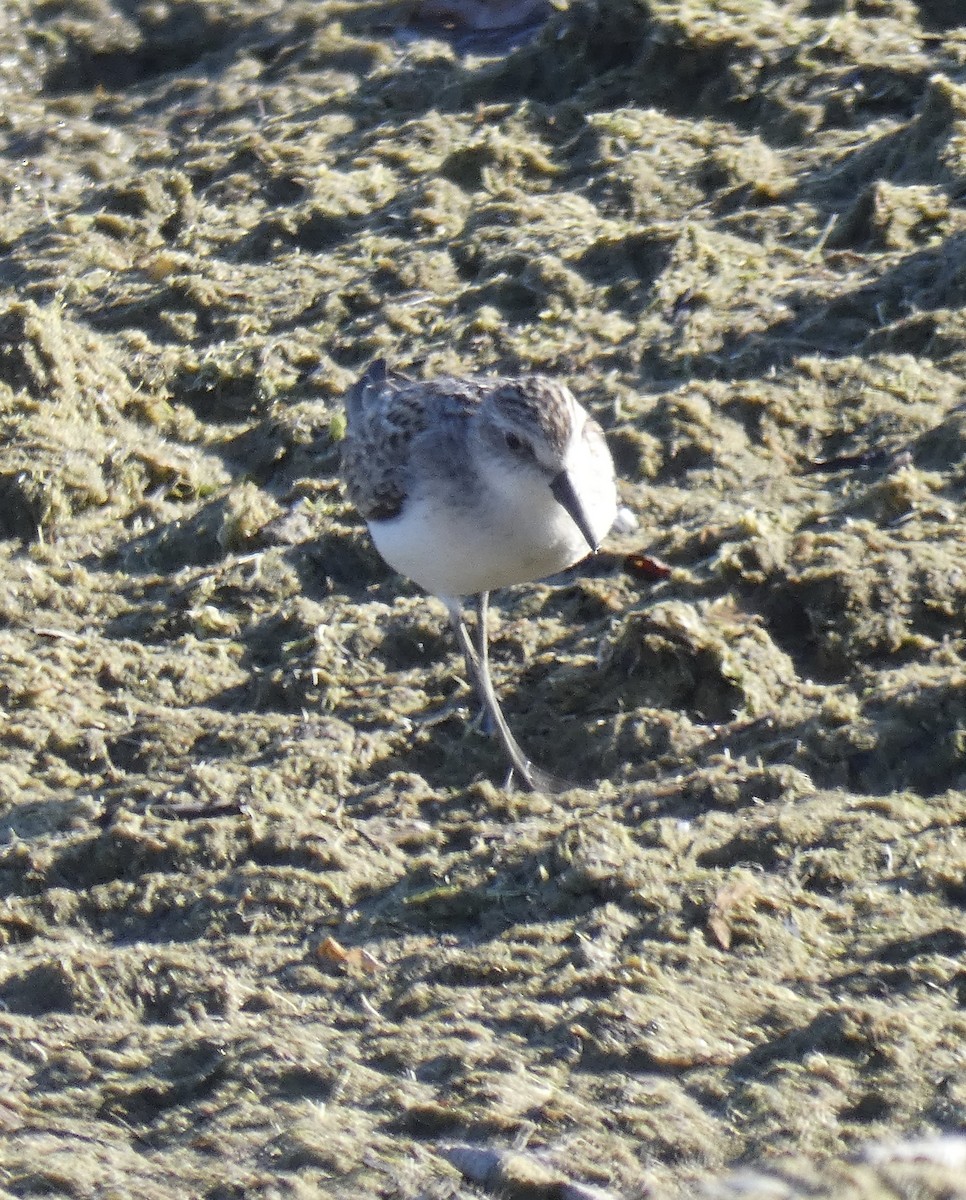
<point x="514" y="532"/>
<point x="449" y="553"/>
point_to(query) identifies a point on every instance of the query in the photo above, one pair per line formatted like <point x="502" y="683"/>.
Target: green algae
<point x="230" y="733"/>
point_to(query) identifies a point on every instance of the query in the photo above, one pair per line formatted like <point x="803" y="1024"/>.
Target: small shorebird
<point x="471" y="484"/>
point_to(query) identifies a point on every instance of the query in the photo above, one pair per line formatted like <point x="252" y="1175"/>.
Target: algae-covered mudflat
<point x="269" y="923"/>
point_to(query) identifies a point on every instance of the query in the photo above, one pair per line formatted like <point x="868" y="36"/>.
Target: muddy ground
<point x="271" y="925"/>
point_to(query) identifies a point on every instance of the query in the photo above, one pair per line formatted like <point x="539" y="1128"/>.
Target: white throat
<point x="510" y="531"/>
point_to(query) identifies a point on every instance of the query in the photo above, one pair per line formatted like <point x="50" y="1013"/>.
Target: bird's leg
<point x="473" y="655"/>
<point x="483" y="650"/>
<point x="472" y="660"/>
<point x="482" y="634"/>
<point x="477" y="662"/>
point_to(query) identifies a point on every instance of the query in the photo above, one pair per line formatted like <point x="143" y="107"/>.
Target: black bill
<point x="564" y="494"/>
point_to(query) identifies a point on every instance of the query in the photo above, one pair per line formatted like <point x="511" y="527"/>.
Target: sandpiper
<point x="471" y="484"/>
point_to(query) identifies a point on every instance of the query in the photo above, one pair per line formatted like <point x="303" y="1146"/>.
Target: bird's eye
<point x="515" y="444"/>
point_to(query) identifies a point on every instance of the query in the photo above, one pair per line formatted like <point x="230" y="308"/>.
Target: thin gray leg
<point x="477" y="661"/>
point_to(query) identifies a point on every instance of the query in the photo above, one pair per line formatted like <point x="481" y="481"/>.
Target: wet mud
<point x="270" y="923"/>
